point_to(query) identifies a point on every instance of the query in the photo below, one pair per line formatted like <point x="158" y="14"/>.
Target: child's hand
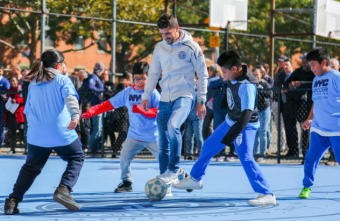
<point x="306" y="124"/>
<point x="73" y="124"/>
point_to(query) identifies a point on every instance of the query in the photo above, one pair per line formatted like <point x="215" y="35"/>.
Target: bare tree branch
<point x="16" y="24"/>
<point x="141" y="55"/>
<point x="103" y="49"/>
<point x="7" y="43"/>
<point x="28" y="26"/>
<point x="80" y="49"/>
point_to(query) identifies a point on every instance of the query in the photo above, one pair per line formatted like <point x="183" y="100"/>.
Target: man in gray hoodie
<point x="175" y="60"/>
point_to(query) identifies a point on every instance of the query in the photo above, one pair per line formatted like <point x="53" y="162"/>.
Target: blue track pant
<point x="317" y="147"/>
<point x="244" y="144"/>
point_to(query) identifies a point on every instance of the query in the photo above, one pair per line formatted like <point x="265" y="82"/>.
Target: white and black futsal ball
<point x="156" y="189"/>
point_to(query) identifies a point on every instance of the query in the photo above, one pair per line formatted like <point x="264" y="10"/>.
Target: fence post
<point x="227" y="29"/>
<point x="279" y="127"/>
<point x="174" y="9"/>
<point x="113" y="39"/>
<point x="217" y="51"/>
<point x="315" y="5"/>
<point x="43" y="21"/>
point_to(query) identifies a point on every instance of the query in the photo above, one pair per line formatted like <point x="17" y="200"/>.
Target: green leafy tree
<point x="27" y="26"/>
<point x="20" y="32"/>
<point x="128" y="36"/>
<point x="256" y="50"/>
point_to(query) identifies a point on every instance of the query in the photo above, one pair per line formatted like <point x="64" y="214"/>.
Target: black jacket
<point x="264" y="95"/>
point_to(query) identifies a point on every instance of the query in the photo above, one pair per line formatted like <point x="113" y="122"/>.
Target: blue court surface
<point x="224" y="196"/>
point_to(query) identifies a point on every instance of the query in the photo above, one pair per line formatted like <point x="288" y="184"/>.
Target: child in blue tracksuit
<point x="324" y="117"/>
<point x="239" y="127"/>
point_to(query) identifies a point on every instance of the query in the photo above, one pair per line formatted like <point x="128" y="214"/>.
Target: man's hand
<point x="145" y="105"/>
<point x="294" y="84"/>
<point x="14" y="100"/>
<point x="73" y="124"/>
<point x="201" y="111"/>
<point x="306" y="124"/>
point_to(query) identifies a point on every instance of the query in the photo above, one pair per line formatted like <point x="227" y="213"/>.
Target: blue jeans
<point x="131" y="148"/>
<point x="244" y="144"/>
<point x="261" y="139"/>
<point x="36" y="159"/>
<point x="170" y="117"/>
<point x="193" y="130"/>
<point x="317" y="147"/>
<point x="96" y="137"/>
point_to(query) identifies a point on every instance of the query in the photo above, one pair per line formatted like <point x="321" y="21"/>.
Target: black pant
<point x="208" y="124"/>
<point x="290" y="120"/>
<point x="85" y="131"/>
<point x="116" y="122"/>
<point x="36" y="159"/>
<point x="12" y="126"/>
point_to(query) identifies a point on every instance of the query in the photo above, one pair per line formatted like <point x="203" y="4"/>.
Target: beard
<point x="169" y="40"/>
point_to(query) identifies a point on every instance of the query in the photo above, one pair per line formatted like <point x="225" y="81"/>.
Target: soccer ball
<point x="156" y="189"/>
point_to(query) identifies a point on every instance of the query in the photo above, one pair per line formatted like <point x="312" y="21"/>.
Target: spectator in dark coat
<point x="214" y="72"/>
<point x="15" y="120"/>
<point x="301" y="99"/>
<point x="4" y="86"/>
<point x="264" y="97"/>
<point x="96" y="89"/>
<point x="289" y="116"/>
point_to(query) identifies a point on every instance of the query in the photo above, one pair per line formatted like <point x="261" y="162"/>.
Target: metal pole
<point x="43" y="22"/>
<point x="272" y="38"/>
<point x="174" y="8"/>
<point x="294" y="10"/>
<point x="217" y="49"/>
<point x="166" y="2"/>
<point x="113" y="39"/>
<point x="227" y="36"/>
<point x="279" y="126"/>
<point x="315" y="5"/>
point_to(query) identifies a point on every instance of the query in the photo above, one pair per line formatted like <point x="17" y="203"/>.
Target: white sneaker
<point x="182" y="174"/>
<point x="169" y="177"/>
<point x="230" y="159"/>
<point x="189" y="183"/>
<point x="263" y="200"/>
<point x="220" y="159"/>
<point x="260" y="160"/>
<point x="169" y="192"/>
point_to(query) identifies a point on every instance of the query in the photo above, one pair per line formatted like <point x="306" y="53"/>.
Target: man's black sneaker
<point x="62" y="196"/>
<point x="125" y="186"/>
<point x="11" y="206"/>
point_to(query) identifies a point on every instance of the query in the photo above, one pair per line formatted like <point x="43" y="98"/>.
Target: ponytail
<point x="43" y="70"/>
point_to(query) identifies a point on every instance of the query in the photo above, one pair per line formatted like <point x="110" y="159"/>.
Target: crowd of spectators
<point x="289" y="92"/>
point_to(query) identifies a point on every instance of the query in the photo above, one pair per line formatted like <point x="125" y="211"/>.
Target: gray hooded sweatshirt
<point x="176" y="65"/>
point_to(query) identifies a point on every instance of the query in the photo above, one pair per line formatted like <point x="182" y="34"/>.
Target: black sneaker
<point x="125" y="186"/>
<point x="62" y="196"/>
<point x="11" y="206"/>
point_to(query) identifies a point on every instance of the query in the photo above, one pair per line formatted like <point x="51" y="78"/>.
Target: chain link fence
<point x="284" y="139"/>
<point x="280" y="136"/>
